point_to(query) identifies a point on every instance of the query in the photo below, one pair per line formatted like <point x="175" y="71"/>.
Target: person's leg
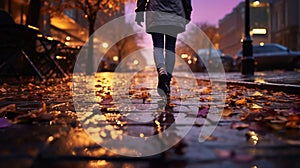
<point x="170" y="44"/>
<point x="158" y="53"/>
<point x="159" y="58"/>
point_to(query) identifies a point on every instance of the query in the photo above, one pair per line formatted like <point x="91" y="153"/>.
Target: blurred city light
<point x="50" y="38"/>
<point x="105" y="45"/>
<point x="61" y="57"/>
<point x="116" y="58"/>
<point x="33" y="27"/>
<point x="135" y="62"/>
<point x="259" y="31"/>
<point x="256" y="3"/>
<point x="184" y="56"/>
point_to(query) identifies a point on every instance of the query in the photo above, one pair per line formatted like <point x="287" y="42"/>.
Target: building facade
<point x="16" y="8"/>
<point x="70" y="26"/>
<point x="231" y="30"/>
<point x="271" y="21"/>
<point x="285" y="23"/>
<point x="232" y="26"/>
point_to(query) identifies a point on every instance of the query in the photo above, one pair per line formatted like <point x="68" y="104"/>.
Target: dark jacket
<point x="164" y="16"/>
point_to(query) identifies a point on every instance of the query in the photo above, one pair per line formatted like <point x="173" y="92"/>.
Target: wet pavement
<point x="271" y="77"/>
<point x="87" y="122"/>
<point x="277" y="80"/>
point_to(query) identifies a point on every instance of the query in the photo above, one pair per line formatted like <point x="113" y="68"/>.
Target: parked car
<point x="212" y="57"/>
<point x="272" y="56"/>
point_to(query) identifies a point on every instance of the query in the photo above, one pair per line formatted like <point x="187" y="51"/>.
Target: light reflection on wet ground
<point x="130" y="107"/>
<point x="113" y="107"/>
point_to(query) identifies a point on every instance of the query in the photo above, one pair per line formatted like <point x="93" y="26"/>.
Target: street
<point x="51" y="124"/>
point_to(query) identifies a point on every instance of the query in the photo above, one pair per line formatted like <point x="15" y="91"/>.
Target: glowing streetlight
<point x="68" y="38"/>
<point x="256" y="3"/>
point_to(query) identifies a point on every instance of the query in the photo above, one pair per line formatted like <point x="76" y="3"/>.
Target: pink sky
<point x="212" y="11"/>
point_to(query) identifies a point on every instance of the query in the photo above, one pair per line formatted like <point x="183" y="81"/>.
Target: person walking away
<point x="165" y="19"/>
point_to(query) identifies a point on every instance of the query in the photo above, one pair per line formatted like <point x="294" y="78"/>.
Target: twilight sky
<point x="212" y="11"/>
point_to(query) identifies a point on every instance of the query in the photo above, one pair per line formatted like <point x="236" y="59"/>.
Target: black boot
<point x="169" y="80"/>
<point x="163" y="87"/>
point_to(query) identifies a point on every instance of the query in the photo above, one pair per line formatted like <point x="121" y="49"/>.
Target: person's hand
<point x="139" y="23"/>
<point x="139" y="18"/>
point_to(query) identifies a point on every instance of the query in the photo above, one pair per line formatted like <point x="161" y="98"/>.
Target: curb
<point x="287" y="88"/>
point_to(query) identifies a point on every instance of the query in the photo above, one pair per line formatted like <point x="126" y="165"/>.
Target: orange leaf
<point x="227" y="112"/>
<point x="293" y="117"/>
<point x="292" y="124"/>
<point x="242" y="101"/>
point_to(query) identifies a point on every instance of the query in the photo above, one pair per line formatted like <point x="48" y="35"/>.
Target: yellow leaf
<point x="257" y="93"/>
<point x="255" y="106"/>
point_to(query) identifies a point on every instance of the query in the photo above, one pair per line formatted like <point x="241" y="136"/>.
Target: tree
<point x="90" y="8"/>
<point x="211" y="32"/>
<point x="33" y="14"/>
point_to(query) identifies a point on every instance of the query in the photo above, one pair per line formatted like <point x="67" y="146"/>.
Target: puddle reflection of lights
<point x="260" y="81"/>
<point x="252" y="137"/>
<point x="157" y="123"/>
<point x="61" y="57"/>
<point x="50" y="139"/>
<point x="98" y="163"/>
